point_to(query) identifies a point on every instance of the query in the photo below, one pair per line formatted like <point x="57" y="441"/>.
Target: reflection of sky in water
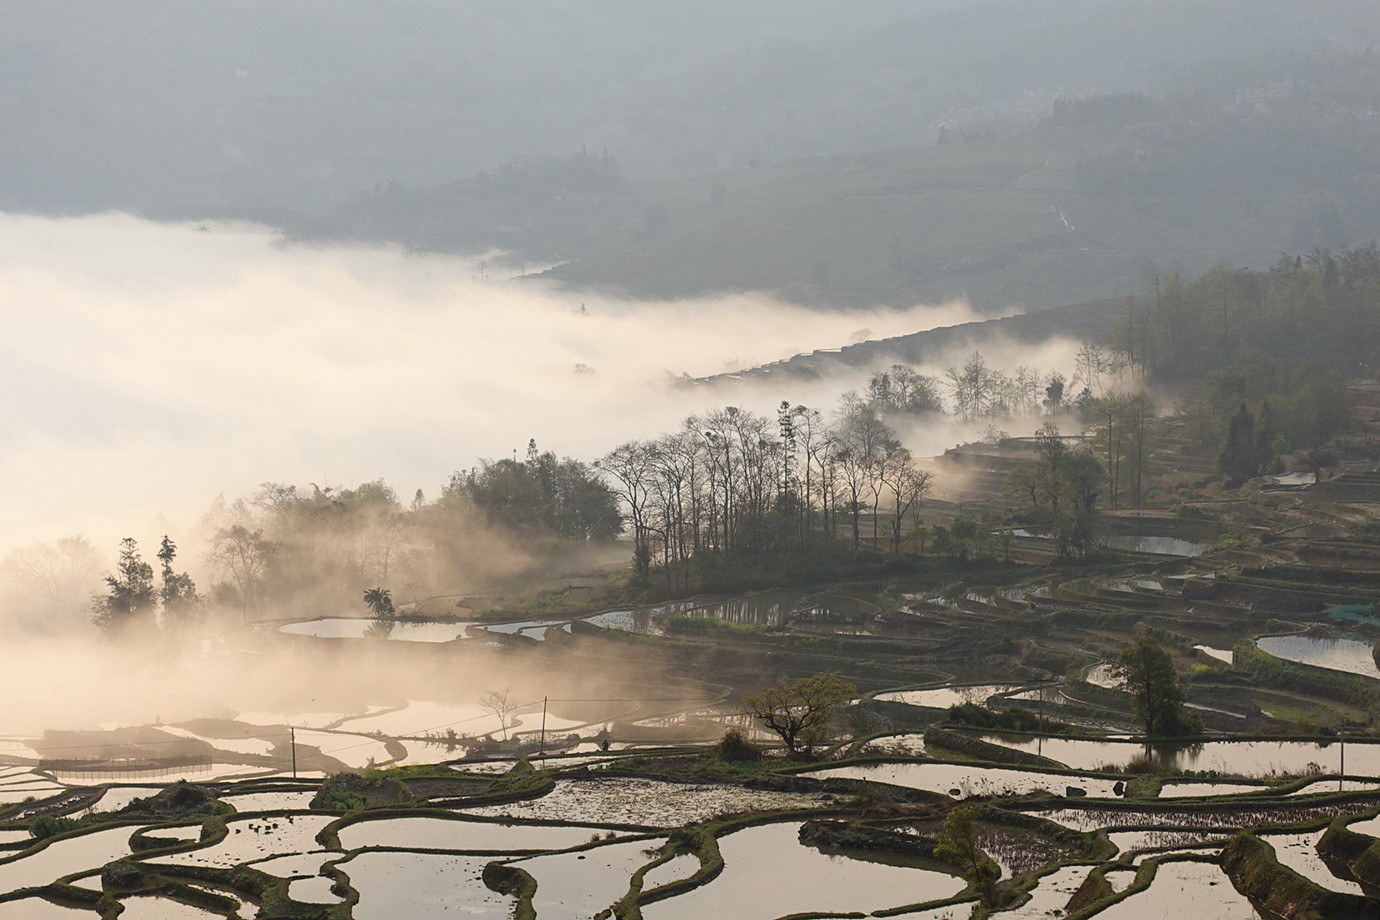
<point x="1170" y="790"/>
<point x="420" y="716"/>
<point x="582" y="884"/>
<point x="1247" y="758"/>
<point x="64" y="857"/>
<point x="458" y="834"/>
<point x="944" y="697"/>
<point x="1221" y="654"/>
<point x="1300" y="853"/>
<point x="1341" y="654"/>
<point x="39" y="909"/>
<point x="1184" y="889"/>
<point x="351" y="750"/>
<point x="970" y="780"/>
<point x="312" y="891"/>
<point x="256" y="838"/>
<point x="1050" y="895"/>
<point x="1160" y="546"/>
<point x="394" y="885"/>
<point x="271" y="801"/>
<point x="355" y="628"/>
<point x="805" y="879"/>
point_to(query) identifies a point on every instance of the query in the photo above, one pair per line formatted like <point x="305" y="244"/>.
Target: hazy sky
<point x="149" y="367"/>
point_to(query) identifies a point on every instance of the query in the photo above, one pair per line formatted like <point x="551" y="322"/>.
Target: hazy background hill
<point x="781" y="145"/>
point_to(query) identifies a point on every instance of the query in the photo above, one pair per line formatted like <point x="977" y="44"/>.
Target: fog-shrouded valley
<point x="621" y="460"/>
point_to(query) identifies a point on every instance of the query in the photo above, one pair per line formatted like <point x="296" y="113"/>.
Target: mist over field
<point x="150" y="367"/>
<point x="730" y="458"/>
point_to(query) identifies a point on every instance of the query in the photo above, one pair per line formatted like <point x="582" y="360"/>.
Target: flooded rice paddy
<point x="582" y="884"/>
<point x="1221" y="817"/>
<point x="1184" y="889"/>
<point x="1350" y="654"/>
<point x="944" y="697"/>
<point x="39" y="909"/>
<point x="394" y="884"/>
<point x="970" y="780"/>
<point x="817" y="881"/>
<point x="647" y="802"/>
<point x="460" y="835"/>
<point x="1136" y="841"/>
<point x="255" y="838"/>
<point x="583" y="862"/>
<point x="1300" y="853"/>
<point x="1051" y="895"/>
<point x="1180" y="790"/>
<point x="1230" y="758"/>
<point x="1159" y="546"/>
<point x="65" y="857"/>
<point x="355" y="628"/>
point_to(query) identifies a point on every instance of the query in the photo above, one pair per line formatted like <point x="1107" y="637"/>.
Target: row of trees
<point x="323" y="546"/>
<point x="734" y="489"/>
<point x="974" y="391"/>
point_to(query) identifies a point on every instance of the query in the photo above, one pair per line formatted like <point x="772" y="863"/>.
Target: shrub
<point x="45" y="826"/>
<point x="734" y="747"/>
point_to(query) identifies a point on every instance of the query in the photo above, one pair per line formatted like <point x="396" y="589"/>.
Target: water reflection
<point x="1344" y="653"/>
<point x="767" y="873"/>
<point x="1159" y="546"/>
<point x="1244" y="758"/>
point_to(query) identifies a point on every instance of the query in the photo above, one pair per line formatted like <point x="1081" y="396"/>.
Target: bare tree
<point x="907" y="485"/>
<point x="631" y="466"/>
<point x="244" y="556"/>
<point x="55" y="579"/>
<point x="499" y="703"/>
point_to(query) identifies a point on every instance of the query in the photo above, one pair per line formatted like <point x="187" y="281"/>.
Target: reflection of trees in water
<point x="1174" y="755"/>
<point x="379" y="629"/>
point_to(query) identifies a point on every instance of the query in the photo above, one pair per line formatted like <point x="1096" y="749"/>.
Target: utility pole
<point x="1341" y="770"/>
<point x="292" y="743"/>
<point x="541" y="745"/>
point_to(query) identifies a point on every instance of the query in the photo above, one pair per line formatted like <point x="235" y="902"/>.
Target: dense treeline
<point x="541" y="494"/>
<point x="319" y="548"/>
<point x="1321" y="307"/>
<point x="1267" y="354"/>
<point x="1255" y="411"/>
<point x="733" y="491"/>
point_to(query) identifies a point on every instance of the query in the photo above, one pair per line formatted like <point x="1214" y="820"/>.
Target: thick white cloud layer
<point x="149" y="367"/>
